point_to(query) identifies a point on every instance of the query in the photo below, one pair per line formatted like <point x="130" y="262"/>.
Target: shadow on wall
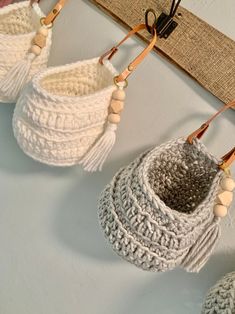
<point x="76" y="223"/>
<point x="177" y="292"/>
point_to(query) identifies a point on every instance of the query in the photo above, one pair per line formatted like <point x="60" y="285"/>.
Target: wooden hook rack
<point x="204" y="53"/>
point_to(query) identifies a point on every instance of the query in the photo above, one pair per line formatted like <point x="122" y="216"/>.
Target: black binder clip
<point x="165" y="23"/>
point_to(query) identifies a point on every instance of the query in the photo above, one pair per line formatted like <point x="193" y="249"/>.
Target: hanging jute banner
<point x="203" y="52"/>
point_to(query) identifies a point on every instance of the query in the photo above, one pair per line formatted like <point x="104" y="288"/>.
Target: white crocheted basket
<point x="63" y="111"/>
<point x="221" y="298"/>
<point x="19" y="23"/>
<point x="157" y="213"/>
<point x="69" y="115"/>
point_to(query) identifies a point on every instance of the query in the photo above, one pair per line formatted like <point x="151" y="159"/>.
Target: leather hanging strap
<point x="133" y="65"/>
<point x="49" y="19"/>
<point x="227" y="159"/>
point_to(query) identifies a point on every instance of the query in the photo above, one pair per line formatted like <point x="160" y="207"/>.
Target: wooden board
<point x="203" y="52"/>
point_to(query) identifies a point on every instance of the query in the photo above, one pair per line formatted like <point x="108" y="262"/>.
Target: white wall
<point x="53" y="257"/>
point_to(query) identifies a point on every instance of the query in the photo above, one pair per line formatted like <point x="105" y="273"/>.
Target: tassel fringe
<point x="96" y="157"/>
<point x="14" y="81"/>
<point x="201" y="251"/>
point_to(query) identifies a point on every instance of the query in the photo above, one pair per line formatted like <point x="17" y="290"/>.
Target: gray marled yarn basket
<point x="157" y="213"/>
<point x="221" y="298"/>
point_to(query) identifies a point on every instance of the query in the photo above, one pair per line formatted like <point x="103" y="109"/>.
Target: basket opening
<point x="18" y="22"/>
<point x="84" y="79"/>
<point x="182" y="177"/>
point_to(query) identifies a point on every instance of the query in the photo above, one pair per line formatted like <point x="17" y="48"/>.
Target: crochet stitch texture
<point x="18" y="26"/>
<point x="221" y="298"/>
<point x="157" y="213"/>
<point x="63" y="111"/>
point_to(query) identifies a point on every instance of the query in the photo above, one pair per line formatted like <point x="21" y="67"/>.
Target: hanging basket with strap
<point x="164" y="209"/>
<point x="25" y="42"/>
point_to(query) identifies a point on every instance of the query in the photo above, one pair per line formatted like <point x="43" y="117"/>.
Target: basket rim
<point x="14" y="6"/>
<point x="36" y="81"/>
<point x="174" y="214"/>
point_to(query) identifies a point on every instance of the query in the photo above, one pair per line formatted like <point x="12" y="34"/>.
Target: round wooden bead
<point x="36" y="50"/>
<point x="228" y="184"/>
<point x="114" y="118"/>
<point x="220" y="211"/>
<point x="225" y="198"/>
<point x="119" y="94"/>
<point x="43" y="31"/>
<point x="40" y="40"/>
<point x="117" y="106"/>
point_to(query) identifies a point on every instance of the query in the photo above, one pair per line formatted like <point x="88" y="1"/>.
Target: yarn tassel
<point x="14" y="81"/>
<point x="96" y="157"/>
<point x="199" y="253"/>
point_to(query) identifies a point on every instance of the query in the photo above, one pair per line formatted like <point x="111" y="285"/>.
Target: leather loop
<point x="198" y="133"/>
<point x="227" y="159"/>
<point x="49" y="19"/>
<point x="133" y="65"/>
<point x="108" y="54"/>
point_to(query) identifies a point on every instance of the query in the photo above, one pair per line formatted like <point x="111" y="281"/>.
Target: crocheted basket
<point x="164" y="209"/>
<point x="69" y="115"/>
<point x="221" y="298"/>
<point x="63" y="111"/>
<point x="157" y="212"/>
<point x="19" y="23"/>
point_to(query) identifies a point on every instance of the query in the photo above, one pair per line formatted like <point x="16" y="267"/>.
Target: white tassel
<point x="96" y="157"/>
<point x="14" y="81"/>
<point x="201" y="251"/>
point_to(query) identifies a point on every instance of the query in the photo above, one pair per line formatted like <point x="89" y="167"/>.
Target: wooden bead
<point x="40" y="40"/>
<point x="220" y="211"/>
<point x="36" y="50"/>
<point x="117" y="106"/>
<point x="228" y="184"/>
<point x="114" y="118"/>
<point x="119" y="94"/>
<point x="43" y="31"/>
<point x="225" y="198"/>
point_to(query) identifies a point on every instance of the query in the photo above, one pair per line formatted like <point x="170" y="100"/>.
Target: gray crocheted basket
<point x="157" y="213"/>
<point x="221" y="298"/>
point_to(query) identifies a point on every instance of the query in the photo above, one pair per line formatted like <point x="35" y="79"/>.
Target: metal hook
<point x="164" y="24"/>
<point x="174" y="8"/>
<point x="147" y="13"/>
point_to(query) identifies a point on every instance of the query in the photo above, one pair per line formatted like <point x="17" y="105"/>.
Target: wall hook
<point x="174" y="8"/>
<point x="165" y="23"/>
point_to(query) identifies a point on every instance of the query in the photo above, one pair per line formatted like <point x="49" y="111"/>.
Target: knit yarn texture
<point x="221" y="298"/>
<point x="18" y="25"/>
<point x="157" y="213"/>
<point x="63" y="111"/>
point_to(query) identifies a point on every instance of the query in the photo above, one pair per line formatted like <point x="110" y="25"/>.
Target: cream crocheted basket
<point x="157" y="213"/>
<point x="221" y="298"/>
<point x="19" y="23"/>
<point x="63" y="111"/>
<point x="69" y="115"/>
